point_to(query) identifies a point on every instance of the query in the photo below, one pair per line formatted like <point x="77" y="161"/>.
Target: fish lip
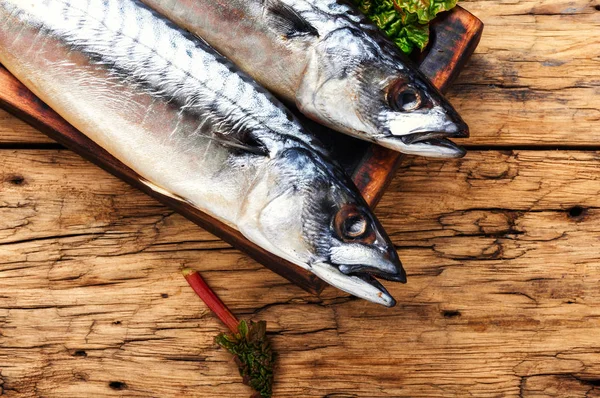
<point x="368" y="278"/>
<point x="369" y="274"/>
<point x="435" y="122"/>
<point x="360" y="270"/>
<point x="326" y="270"/>
<point x="433" y="142"/>
<point x="421" y="136"/>
<point x="436" y="147"/>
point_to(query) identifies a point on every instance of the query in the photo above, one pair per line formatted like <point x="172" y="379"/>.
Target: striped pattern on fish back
<point x="328" y="16"/>
<point x="139" y="47"/>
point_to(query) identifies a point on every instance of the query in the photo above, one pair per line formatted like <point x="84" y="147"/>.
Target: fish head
<point x="350" y="247"/>
<point x="317" y="219"/>
<point x="355" y="86"/>
<point x="413" y="116"/>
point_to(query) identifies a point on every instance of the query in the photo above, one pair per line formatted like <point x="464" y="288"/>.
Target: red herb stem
<point x="211" y="299"/>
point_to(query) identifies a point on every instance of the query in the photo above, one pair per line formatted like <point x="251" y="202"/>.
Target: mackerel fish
<point x="195" y="128"/>
<point x="335" y="65"/>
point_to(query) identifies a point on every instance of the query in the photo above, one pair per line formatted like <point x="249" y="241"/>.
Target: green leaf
<point x="405" y="22"/>
<point x="243" y="328"/>
<point x="253" y="354"/>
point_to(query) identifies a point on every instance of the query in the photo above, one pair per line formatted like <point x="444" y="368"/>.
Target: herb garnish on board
<point x="406" y="22"/>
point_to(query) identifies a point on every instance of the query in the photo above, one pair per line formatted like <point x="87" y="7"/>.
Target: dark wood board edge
<point x="454" y="37"/>
<point x="372" y="176"/>
<point x="26" y="106"/>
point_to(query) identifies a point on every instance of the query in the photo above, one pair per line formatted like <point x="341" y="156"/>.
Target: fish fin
<point x="163" y="191"/>
<point x="251" y="147"/>
<point x="288" y="21"/>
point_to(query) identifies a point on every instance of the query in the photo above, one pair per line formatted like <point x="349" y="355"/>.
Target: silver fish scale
<point x="329" y="16"/>
<point x="126" y="38"/>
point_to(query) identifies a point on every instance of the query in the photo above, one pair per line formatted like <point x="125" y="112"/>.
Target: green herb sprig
<point x="247" y="341"/>
<point x="406" y="22"/>
<point x="253" y="355"/>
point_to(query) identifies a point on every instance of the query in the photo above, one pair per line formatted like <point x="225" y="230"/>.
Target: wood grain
<point x="501" y="249"/>
<point x="537" y="71"/>
<point x="16" y="132"/>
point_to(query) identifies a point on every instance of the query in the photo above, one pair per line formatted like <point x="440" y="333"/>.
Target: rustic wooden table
<point x="502" y="250"/>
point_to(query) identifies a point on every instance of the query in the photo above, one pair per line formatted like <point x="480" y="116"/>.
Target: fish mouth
<point x="360" y="269"/>
<point x="370" y="275"/>
<point x="360" y="281"/>
<point x="433" y="136"/>
<point x="429" y="143"/>
<point x="432" y="139"/>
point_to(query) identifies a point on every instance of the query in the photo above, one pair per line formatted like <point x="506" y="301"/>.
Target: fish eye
<point x="353" y="225"/>
<point x="405" y="98"/>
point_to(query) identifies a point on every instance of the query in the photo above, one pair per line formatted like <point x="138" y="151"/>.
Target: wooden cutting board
<point x="454" y="37"/>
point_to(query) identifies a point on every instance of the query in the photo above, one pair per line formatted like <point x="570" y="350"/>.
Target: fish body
<point x="195" y="128"/>
<point x="332" y="63"/>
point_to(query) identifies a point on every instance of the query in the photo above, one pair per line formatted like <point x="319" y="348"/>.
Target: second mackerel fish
<point x="335" y="65"/>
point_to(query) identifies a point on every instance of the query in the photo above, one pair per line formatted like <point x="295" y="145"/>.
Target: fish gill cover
<point x="406" y="22"/>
